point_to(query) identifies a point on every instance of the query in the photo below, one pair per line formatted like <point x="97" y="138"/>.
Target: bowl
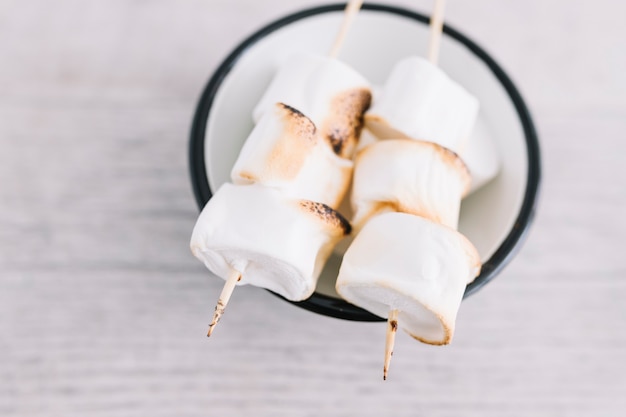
<point x="495" y="218"/>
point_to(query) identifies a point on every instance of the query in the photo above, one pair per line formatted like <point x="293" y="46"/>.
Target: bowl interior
<point x="377" y="40"/>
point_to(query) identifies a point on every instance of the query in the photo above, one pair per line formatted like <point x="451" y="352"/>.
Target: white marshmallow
<point x="329" y="92"/>
<point x="284" y="151"/>
<point x="420" y="101"/>
<point x="411" y="264"/>
<point x="409" y="176"/>
<point x="274" y="242"/>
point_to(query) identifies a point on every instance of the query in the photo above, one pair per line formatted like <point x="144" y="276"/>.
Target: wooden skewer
<point x="392" y="327"/>
<point x="227" y="291"/>
<point x="436" y="27"/>
<point x="352" y="8"/>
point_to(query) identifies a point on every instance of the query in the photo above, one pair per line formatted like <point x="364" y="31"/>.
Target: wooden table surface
<point x="103" y="310"/>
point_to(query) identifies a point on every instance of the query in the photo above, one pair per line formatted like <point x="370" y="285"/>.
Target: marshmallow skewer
<point x="436" y="27"/>
<point x="413" y="180"/>
<point x="418" y="178"/>
<point x="283" y="151"/>
<point x="307" y="127"/>
<point x="253" y="234"/>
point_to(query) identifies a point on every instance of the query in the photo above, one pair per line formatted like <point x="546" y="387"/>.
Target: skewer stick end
<point x="219" y="310"/>
<point x="222" y="301"/>
<point x="392" y="328"/>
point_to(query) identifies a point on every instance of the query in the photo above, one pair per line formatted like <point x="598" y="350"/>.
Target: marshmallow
<point x="329" y="92"/>
<point x="420" y="101"/>
<point x="409" y="176"/>
<point x="413" y="265"/>
<point x="277" y="243"/>
<point x="284" y="151"/>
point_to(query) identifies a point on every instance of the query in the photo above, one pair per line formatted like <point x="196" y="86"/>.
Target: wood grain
<point x="103" y="311"/>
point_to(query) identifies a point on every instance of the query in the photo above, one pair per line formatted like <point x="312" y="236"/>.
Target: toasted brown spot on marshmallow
<point x="327" y="215"/>
<point x="245" y="175"/>
<point x="344" y="122"/>
<point x="297" y="123"/>
<point x="291" y="110"/>
<point x="296" y="139"/>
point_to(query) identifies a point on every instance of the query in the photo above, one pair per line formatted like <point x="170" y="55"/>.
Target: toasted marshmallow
<point x="409" y="176"/>
<point x="284" y="151"/>
<point x="329" y="92"/>
<point x="274" y="242"/>
<point x="420" y="101"/>
<point x="413" y="265"/>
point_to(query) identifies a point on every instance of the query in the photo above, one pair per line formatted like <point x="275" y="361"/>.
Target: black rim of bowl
<point x="334" y="307"/>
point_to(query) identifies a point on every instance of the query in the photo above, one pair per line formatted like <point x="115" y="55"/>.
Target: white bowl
<point x="495" y="218"/>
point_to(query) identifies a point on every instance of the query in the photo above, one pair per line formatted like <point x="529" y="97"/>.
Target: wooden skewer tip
<point x="392" y="327"/>
<point x="222" y="301"/>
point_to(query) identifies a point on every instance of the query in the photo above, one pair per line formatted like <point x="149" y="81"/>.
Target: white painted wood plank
<point x="103" y="310"/>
